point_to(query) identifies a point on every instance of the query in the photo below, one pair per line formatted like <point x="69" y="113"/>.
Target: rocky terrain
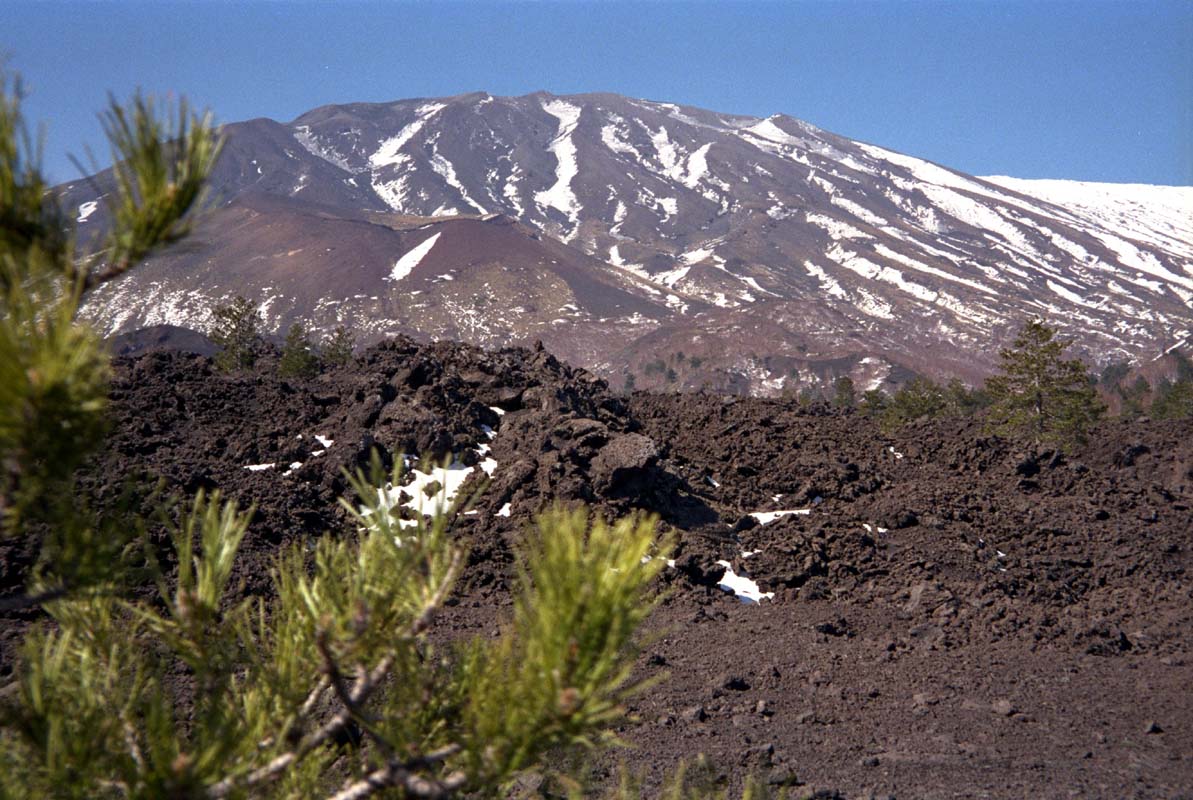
<point x="934" y="613"/>
<point x="684" y="247"/>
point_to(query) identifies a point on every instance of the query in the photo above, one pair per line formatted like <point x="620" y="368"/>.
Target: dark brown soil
<point x="952" y="617"/>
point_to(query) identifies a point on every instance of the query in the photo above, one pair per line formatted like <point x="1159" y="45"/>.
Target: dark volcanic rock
<point x="624" y="460"/>
<point x="911" y="596"/>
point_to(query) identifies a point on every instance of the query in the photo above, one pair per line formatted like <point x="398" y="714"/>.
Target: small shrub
<point x="1173" y="400"/>
<point x="844" y="393"/>
<point x="961" y="401"/>
<point x="920" y="398"/>
<point x="337" y="349"/>
<point x="237" y="332"/>
<point x="298" y="358"/>
<point x="874" y="402"/>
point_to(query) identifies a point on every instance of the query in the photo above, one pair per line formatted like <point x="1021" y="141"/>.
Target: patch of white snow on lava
<point x="770" y="516"/>
<point x="741" y="586"/>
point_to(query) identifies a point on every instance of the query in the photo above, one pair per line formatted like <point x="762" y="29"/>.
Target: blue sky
<point x="1043" y="89"/>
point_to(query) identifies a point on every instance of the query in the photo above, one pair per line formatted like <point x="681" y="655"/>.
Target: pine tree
<point x="874" y="402"/>
<point x="1040" y="396"/>
<point x="1133" y="398"/>
<point x="807" y="396"/>
<point x="342" y="646"/>
<point x="961" y="401"/>
<point x="1113" y="373"/>
<point x="844" y="393"/>
<point x="237" y="332"/>
<point x="298" y="358"/>
<point x="337" y="349"/>
<point x="919" y="398"/>
<point x="1173" y="399"/>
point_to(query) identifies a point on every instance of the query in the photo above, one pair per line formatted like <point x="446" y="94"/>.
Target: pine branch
<point x="336" y="679"/>
<point x="400" y="774"/>
<point x="309" y="704"/>
<point x="22" y="601"/>
<point x="423" y="620"/>
<point x="364" y="686"/>
<point x="130" y="741"/>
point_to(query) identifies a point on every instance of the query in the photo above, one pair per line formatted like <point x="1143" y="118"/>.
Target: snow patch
<point x="311" y="143"/>
<point x="1159" y="214"/>
<point x="741" y="586"/>
<point x="871" y="271"/>
<point x="611" y="139"/>
<point x="920" y="266"/>
<point x="1071" y="296"/>
<point x="858" y="210"/>
<point x="411" y="259"/>
<point x="450" y="480"/>
<point x="447" y="171"/>
<point x="560" y="195"/>
<point x="388" y="153"/>
<point x="666" y="153"/>
<point x="770" y="516"/>
<point x="696" y="256"/>
<point x="827" y="283"/>
<point x="697" y="166"/>
<point x="836" y="229"/>
<point x="670" y="207"/>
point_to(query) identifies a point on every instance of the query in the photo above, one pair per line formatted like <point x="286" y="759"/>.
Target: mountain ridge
<point x="720" y="225"/>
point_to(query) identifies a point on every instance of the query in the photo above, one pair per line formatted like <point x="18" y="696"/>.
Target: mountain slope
<point x="778" y="253"/>
<point x="486" y="280"/>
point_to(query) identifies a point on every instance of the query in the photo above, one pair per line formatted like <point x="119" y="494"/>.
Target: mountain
<point x="683" y="246"/>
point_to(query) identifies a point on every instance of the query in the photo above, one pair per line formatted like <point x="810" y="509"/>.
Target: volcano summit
<point x="745" y="254"/>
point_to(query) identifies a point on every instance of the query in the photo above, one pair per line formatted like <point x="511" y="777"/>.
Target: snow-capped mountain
<point x="625" y="232"/>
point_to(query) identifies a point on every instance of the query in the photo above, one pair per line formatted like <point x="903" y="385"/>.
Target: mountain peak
<point x="782" y="252"/>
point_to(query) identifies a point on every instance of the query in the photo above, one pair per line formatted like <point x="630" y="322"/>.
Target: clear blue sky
<point x="1087" y="90"/>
